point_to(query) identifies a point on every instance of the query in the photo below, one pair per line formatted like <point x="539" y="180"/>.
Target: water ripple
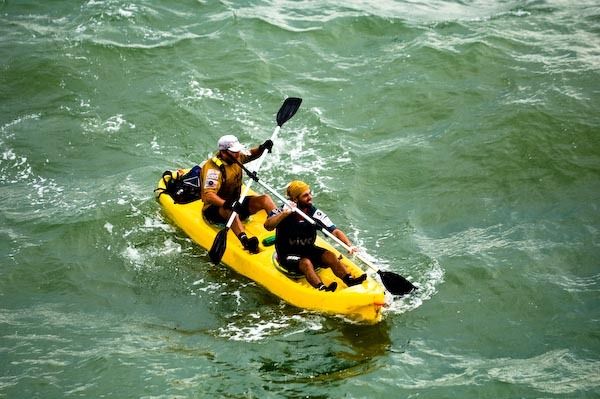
<point x="557" y="372"/>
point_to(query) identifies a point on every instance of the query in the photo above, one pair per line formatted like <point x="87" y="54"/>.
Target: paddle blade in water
<point x="288" y="109"/>
<point x="218" y="248"/>
<point x="395" y="283"/>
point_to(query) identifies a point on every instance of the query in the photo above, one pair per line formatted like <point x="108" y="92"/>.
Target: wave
<point x="556" y="372"/>
<point x="574" y="284"/>
<point x="48" y="199"/>
<point x="305" y="16"/>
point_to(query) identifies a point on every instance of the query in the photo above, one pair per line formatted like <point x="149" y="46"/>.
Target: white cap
<point x="230" y="143"/>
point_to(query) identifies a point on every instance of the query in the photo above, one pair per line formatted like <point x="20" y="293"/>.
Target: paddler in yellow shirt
<point x="221" y="187"/>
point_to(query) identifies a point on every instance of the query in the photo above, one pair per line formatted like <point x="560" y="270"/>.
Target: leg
<point x="221" y="215"/>
<point x="340" y="270"/>
<point x="237" y="225"/>
<point x="307" y="268"/>
<point x="328" y="258"/>
<point x="249" y="243"/>
<point x="259" y="202"/>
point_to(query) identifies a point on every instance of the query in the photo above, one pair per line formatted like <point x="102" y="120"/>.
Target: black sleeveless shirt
<point x="294" y="234"/>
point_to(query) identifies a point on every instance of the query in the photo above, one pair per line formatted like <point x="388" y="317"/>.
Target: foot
<point x="350" y="281"/>
<point x="251" y="245"/>
<point x="331" y="287"/>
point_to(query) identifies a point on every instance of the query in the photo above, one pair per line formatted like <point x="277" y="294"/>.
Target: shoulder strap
<point x="162" y="190"/>
<point x="321" y="218"/>
<point x="165" y="174"/>
<point x="219" y="162"/>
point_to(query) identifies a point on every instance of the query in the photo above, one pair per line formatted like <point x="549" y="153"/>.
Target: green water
<point x="457" y="142"/>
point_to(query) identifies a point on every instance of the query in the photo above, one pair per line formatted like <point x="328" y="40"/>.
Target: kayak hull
<point x="361" y="303"/>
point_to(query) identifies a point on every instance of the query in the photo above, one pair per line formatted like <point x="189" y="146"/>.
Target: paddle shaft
<point x="247" y="188"/>
<point x="287" y="110"/>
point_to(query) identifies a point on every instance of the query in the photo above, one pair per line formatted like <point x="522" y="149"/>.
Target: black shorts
<point x="213" y="216"/>
<point x="291" y="261"/>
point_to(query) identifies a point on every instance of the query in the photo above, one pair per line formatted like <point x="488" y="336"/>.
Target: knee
<point x="266" y="201"/>
<point x="305" y="265"/>
<point x="225" y="213"/>
<point x="266" y="198"/>
<point x="329" y="258"/>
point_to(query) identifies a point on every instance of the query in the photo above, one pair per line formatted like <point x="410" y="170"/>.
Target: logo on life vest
<point x="323" y="218"/>
<point x="212" y="178"/>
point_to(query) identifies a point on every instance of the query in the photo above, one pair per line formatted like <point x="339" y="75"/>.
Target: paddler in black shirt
<point x="295" y="239"/>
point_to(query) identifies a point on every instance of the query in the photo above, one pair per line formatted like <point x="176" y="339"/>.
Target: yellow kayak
<point x="361" y="303"/>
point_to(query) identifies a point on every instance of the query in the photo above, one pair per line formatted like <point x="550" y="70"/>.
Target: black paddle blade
<point x="218" y="248"/>
<point x="395" y="283"/>
<point x="288" y="109"/>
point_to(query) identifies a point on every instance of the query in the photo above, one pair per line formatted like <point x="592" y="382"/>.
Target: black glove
<point x="233" y="205"/>
<point x="267" y="145"/>
<point x="229" y="204"/>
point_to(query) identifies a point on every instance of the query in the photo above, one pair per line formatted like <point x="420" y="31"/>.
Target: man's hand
<point x="289" y="207"/>
<point x="267" y="145"/>
<point x="233" y="205"/>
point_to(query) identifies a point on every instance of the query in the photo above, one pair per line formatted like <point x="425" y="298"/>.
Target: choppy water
<point x="457" y="141"/>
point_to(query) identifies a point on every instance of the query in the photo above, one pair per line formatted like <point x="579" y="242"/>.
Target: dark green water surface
<point x="456" y="142"/>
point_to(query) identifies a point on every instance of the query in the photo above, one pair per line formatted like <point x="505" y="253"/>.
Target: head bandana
<point x="296" y="188"/>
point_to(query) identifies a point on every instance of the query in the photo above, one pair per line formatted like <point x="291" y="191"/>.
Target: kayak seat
<point x="290" y="274"/>
<point x="211" y="223"/>
<point x="221" y="225"/>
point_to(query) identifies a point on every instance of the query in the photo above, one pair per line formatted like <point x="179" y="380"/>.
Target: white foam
<point x="426" y="289"/>
<point x="171" y="246"/>
<point x="127" y="12"/>
<point x="203" y="92"/>
<point x="9" y="155"/>
<point x="154" y="145"/>
<point x="263" y="327"/>
<point x="133" y="255"/>
<point x="115" y="123"/>
<point x="157" y="223"/>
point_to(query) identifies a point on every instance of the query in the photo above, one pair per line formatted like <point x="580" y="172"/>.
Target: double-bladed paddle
<point x="393" y="282"/>
<point x="285" y="113"/>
